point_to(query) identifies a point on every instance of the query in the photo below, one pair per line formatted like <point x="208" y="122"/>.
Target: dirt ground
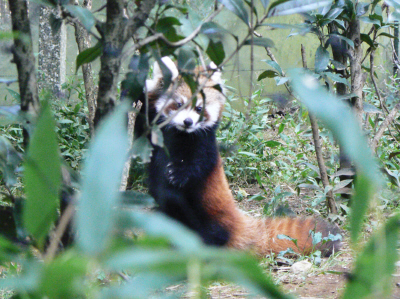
<point x="325" y="281"/>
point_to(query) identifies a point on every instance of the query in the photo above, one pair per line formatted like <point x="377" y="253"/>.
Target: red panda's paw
<point x="176" y="177"/>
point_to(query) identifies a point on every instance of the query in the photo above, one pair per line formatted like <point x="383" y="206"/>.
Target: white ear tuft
<point x="151" y="84"/>
<point x="171" y="65"/>
<point x="216" y="77"/>
<point x="212" y="66"/>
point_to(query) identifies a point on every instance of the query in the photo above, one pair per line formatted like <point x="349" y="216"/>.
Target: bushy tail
<point x="261" y="235"/>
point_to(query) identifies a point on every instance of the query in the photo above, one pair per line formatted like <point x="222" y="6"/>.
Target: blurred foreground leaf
<point x="372" y="277"/>
<point x="42" y="177"/>
<point x="102" y="177"/>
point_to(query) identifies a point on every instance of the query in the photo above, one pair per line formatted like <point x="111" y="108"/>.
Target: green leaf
<point x="282" y="8"/>
<point x="86" y="18"/>
<point x="387" y="35"/>
<point x="215" y="31"/>
<point x="142" y="148"/>
<point x="42" y="177"/>
<point x="237" y="7"/>
<point x="216" y="52"/>
<point x="51" y="3"/>
<point x="145" y="285"/>
<point x="347" y="40"/>
<point x="7" y="250"/>
<point x="160" y="225"/>
<point x="281" y="128"/>
<point x="136" y="78"/>
<point x="272" y="143"/>
<point x="164" y="24"/>
<point x="267" y="74"/>
<point x="9" y="160"/>
<point x="395" y="4"/>
<point x="265" y="3"/>
<point x="363" y="192"/>
<point x="372" y="277"/>
<point x="64" y="277"/>
<point x="370" y="21"/>
<point x="362" y="8"/>
<point x="274" y="65"/>
<point x="186" y="59"/>
<point x="16" y="96"/>
<point x="321" y="59"/>
<point x="336" y="78"/>
<point x="27" y="280"/>
<point x="337" y="117"/>
<point x="190" y="22"/>
<point x="103" y="169"/>
<point x="367" y="39"/>
<point x="262" y="42"/>
<point x="333" y="13"/>
<point x="369" y="108"/>
<point x="135" y="198"/>
<point x="89" y="55"/>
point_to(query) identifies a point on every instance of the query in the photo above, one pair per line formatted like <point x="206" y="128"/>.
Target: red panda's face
<point x="177" y="102"/>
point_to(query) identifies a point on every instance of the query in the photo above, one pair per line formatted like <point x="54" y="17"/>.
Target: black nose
<point x="188" y="122"/>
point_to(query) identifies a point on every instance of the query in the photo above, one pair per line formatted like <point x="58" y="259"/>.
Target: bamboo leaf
<point x="42" y="177"/>
<point x="103" y="169"/>
<point x="372" y="277"/>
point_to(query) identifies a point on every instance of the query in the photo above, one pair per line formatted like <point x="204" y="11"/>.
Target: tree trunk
<point x="52" y="52"/>
<point x="5" y="15"/>
<point x="116" y="32"/>
<point x="24" y="59"/>
<point x="396" y="48"/>
<point x="357" y="77"/>
<point x="84" y="42"/>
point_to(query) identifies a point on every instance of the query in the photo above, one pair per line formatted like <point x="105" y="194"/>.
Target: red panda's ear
<point x="216" y="77"/>
<point x="154" y="83"/>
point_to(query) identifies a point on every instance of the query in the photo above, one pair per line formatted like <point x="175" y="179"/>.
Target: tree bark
<point x="116" y="32"/>
<point x="396" y="49"/>
<point x="330" y="199"/>
<point x="24" y="59"/>
<point x="357" y="77"/>
<point x="5" y="16"/>
<point x="52" y="52"/>
<point x="84" y="42"/>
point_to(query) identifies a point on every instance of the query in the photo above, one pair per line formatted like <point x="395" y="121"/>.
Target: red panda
<point x="187" y="178"/>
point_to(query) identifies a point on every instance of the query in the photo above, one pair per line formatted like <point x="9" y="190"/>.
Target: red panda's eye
<point x="178" y="105"/>
<point x="198" y="109"/>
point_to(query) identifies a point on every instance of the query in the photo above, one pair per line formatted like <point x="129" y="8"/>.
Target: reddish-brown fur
<point x="260" y="234"/>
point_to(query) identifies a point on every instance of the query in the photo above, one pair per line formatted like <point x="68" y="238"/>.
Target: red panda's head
<point x="170" y="102"/>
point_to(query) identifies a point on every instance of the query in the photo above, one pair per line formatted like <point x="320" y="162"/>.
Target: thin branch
<point x="330" y="199"/>
<point x="161" y="36"/>
<point x="56" y="236"/>
<point x="371" y="61"/>
<point x="101" y="8"/>
<point x="384" y="125"/>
